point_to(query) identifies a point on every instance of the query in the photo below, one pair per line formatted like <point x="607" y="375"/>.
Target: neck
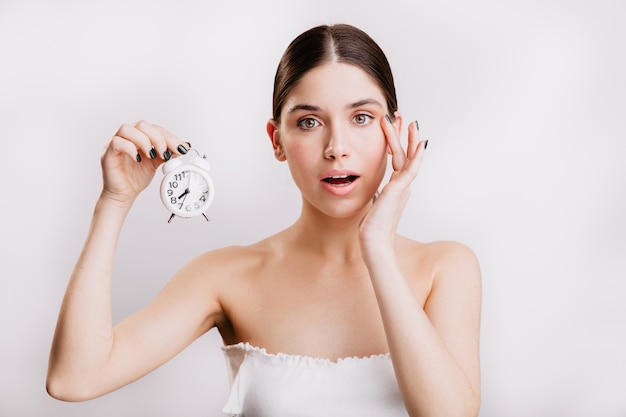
<point x="334" y="238"/>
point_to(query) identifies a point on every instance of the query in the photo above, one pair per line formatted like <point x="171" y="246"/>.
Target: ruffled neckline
<point x="247" y="348"/>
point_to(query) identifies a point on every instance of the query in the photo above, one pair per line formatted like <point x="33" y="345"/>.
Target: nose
<point x="337" y="146"/>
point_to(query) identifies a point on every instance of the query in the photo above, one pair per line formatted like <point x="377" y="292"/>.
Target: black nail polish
<point x="188" y="145"/>
<point x="138" y="157"/>
<point x="152" y="153"/>
<point x="167" y="155"/>
<point x="388" y="118"/>
<point x="417" y="125"/>
<point x="426" y="144"/>
<point x="181" y="149"/>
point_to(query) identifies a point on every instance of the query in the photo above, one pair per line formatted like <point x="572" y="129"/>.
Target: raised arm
<point x="89" y="357"/>
<point x="434" y="347"/>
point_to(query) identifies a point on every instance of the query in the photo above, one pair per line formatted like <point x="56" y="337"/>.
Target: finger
<point x="398" y="155"/>
<point x="414" y="161"/>
<point x="158" y="141"/>
<point x="414" y="141"/>
<point x="415" y="155"/>
<point x="173" y="142"/>
<point x="138" y="138"/>
<point x="122" y="145"/>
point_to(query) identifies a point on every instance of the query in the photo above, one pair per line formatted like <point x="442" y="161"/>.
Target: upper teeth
<point x="339" y="176"/>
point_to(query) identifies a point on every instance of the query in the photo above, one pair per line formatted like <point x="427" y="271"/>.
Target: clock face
<point x="187" y="191"/>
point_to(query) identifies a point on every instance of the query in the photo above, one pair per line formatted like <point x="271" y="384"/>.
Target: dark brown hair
<point x="336" y="43"/>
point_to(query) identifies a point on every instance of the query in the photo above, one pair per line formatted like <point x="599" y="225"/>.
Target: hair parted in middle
<point x="332" y="43"/>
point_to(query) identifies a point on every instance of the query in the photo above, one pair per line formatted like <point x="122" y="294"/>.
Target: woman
<point x="335" y="315"/>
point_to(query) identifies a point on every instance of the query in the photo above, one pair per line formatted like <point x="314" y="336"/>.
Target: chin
<point x="345" y="209"/>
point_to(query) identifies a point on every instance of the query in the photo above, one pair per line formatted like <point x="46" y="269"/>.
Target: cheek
<point x="298" y="151"/>
<point x="301" y="159"/>
<point x="382" y="162"/>
<point x="380" y="148"/>
<point x="376" y="159"/>
<point x="382" y="153"/>
<point x="294" y="144"/>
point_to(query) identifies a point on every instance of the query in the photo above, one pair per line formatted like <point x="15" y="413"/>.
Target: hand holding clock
<point x="132" y="156"/>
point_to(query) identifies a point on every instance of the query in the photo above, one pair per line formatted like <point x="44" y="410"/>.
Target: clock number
<point x="180" y="176"/>
<point x="170" y="192"/>
<point x="173" y="200"/>
<point x="173" y="184"/>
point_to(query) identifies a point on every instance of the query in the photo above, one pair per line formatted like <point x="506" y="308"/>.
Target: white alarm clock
<point x="187" y="189"/>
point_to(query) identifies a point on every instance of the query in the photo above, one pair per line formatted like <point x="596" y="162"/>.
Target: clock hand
<point x="187" y="191"/>
<point x="184" y="193"/>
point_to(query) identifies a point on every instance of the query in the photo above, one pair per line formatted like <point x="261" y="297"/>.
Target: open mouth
<point x="340" y="180"/>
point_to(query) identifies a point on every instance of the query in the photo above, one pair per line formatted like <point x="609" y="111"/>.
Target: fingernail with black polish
<point x="182" y="149"/>
<point x="138" y="157"/>
<point x="152" y="153"/>
<point x="188" y="145"/>
<point x="417" y="125"/>
<point x="426" y="144"/>
<point x="388" y="118"/>
<point x="167" y="155"/>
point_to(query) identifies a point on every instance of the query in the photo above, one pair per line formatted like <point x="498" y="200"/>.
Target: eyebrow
<point x="364" y="102"/>
<point x="354" y="105"/>
<point x="306" y="107"/>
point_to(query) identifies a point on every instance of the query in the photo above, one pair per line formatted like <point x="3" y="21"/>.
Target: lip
<point x="342" y="189"/>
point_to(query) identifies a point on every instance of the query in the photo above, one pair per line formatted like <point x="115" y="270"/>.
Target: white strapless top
<point x="281" y="385"/>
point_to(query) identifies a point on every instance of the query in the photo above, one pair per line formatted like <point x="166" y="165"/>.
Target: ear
<point x="274" y="135"/>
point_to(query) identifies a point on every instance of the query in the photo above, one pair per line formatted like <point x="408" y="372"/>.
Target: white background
<point x="524" y="104"/>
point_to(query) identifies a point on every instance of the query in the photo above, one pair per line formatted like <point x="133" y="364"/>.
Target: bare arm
<point x="89" y="357"/>
<point x="434" y="348"/>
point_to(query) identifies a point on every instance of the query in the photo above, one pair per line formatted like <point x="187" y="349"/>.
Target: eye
<point x="307" y="123"/>
<point x="362" y="119"/>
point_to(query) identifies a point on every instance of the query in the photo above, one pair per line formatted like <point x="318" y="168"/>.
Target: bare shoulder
<point x="442" y="262"/>
<point x="454" y="256"/>
<point x="441" y="256"/>
<point x="223" y="266"/>
<point x="224" y="263"/>
<point x="458" y="266"/>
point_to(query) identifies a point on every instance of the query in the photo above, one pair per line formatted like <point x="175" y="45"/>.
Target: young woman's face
<point x="330" y="134"/>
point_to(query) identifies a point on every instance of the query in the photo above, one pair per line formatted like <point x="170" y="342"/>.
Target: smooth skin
<point x="339" y="282"/>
